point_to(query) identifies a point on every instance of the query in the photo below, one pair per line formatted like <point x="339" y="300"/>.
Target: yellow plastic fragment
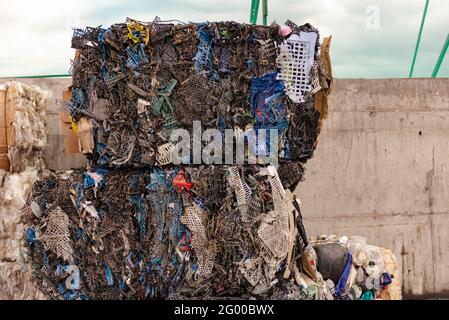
<point x="135" y="26"/>
<point x="74" y="126"/>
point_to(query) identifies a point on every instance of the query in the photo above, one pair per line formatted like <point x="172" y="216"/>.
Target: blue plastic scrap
<point x="136" y="55"/>
<point x="108" y="274"/>
<point x="138" y="202"/>
<point x="340" y="287"/>
<point x="42" y="203"/>
<point x="203" y="57"/>
<point x="79" y="233"/>
<point x="90" y="182"/>
<point x="249" y="63"/>
<point x="157" y="180"/>
<point x="268" y="108"/>
<point x="78" y="101"/>
<point x="224" y="60"/>
<point x="385" y="279"/>
<point x="266" y="99"/>
<point x="79" y="194"/>
<point x="30" y="235"/>
<point x="102" y="42"/>
<point x="103" y="158"/>
<point x="70" y="295"/>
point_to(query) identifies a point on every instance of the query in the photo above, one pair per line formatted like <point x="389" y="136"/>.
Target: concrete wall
<point x="381" y="170"/>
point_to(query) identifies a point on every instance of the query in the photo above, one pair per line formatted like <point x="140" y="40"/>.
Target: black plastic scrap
<point x="134" y="226"/>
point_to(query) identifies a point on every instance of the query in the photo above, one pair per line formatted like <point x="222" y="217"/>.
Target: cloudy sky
<point x="371" y="38"/>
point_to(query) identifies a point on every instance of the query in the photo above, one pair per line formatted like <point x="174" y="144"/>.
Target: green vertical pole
<point x="254" y="11"/>
<point x="441" y="58"/>
<point x="419" y="38"/>
<point x="264" y="11"/>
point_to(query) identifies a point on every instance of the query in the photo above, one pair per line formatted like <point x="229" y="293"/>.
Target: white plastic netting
<point x="56" y="237"/>
<point x="274" y="229"/>
<point x="241" y="189"/>
<point x="194" y="218"/>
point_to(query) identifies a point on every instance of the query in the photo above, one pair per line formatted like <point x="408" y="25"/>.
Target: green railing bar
<point x="441" y="58"/>
<point x="264" y="12"/>
<point x="419" y="38"/>
<point x="254" y="11"/>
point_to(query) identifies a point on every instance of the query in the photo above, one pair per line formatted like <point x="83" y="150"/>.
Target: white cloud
<point x="35" y="35"/>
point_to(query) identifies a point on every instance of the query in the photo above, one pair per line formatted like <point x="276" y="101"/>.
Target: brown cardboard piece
<point x="2" y="109"/>
<point x="4" y="162"/>
<point x="321" y="103"/>
<point x="85" y="135"/>
<point x="70" y="138"/>
<point x="394" y="290"/>
<point x="11" y="99"/>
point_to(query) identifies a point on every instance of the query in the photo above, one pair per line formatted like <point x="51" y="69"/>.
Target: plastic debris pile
<point x="15" y="274"/>
<point x="23" y="138"/>
<point x="135" y="226"/>
<point x="350" y="269"/>
<point x="25" y="118"/>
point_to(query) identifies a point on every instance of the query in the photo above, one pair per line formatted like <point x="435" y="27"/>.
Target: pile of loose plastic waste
<point x="350" y="269"/>
<point x="135" y="226"/>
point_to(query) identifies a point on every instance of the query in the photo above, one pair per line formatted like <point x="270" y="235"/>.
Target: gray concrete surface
<point x="381" y="170"/>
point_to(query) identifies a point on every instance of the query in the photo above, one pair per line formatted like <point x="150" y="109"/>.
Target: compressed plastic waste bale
<point x="224" y="74"/>
<point x="152" y="240"/>
<point x="16" y="280"/>
<point x="27" y="136"/>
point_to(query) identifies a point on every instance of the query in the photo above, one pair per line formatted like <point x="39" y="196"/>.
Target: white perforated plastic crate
<point x="295" y="61"/>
